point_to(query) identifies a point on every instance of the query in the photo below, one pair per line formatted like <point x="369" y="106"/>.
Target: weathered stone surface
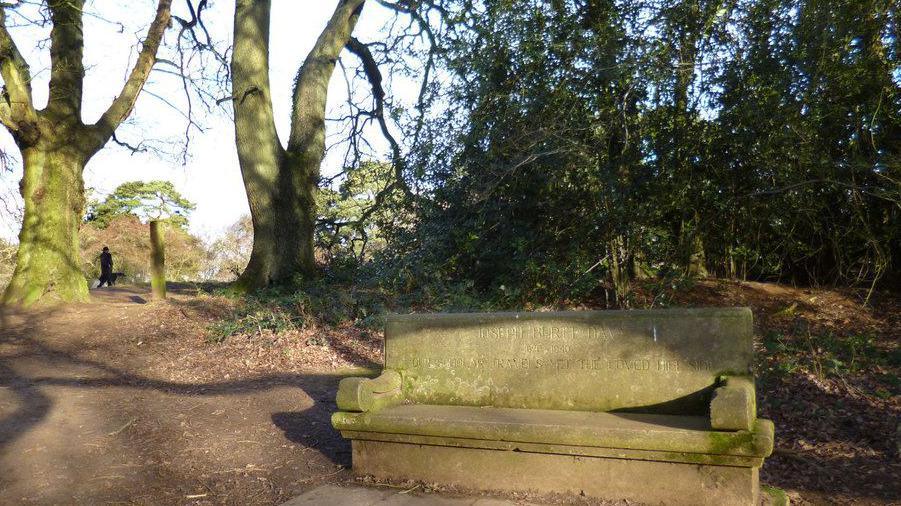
<point x="650" y="406"/>
<point x="647" y="482"/>
<point x="734" y="405"/>
<point x="336" y="495"/>
<point x="583" y="451"/>
<point x="665" y="361"/>
<point x="665" y="433"/>
<point x="364" y="394"/>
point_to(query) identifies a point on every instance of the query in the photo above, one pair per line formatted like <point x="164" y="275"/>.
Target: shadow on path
<point x="39" y="375"/>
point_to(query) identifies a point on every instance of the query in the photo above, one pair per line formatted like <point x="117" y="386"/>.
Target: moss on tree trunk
<point x="55" y="146"/>
<point x="157" y="260"/>
<point x="48" y="264"/>
<point x="281" y="182"/>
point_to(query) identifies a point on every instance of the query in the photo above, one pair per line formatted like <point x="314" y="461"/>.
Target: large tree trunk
<point x="283" y="223"/>
<point x="48" y="266"/>
<point x="281" y="183"/>
<point x="55" y="147"/>
<point x="260" y="154"/>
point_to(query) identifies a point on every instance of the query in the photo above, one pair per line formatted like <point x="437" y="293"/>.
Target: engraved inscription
<point x="561" y="348"/>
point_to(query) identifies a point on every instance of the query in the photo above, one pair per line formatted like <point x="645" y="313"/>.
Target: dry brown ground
<point x="838" y="434"/>
<point x="120" y="401"/>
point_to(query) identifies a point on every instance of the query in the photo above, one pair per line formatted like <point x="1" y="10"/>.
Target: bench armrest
<point x="364" y="394"/>
<point x="734" y="404"/>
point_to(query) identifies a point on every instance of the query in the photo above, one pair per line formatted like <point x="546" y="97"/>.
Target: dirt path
<point x="91" y="414"/>
<point x="124" y="401"/>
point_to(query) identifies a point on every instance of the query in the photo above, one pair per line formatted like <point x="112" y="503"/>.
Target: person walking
<point x="106" y="268"/>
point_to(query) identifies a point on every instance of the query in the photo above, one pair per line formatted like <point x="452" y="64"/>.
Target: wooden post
<point x="157" y="261"/>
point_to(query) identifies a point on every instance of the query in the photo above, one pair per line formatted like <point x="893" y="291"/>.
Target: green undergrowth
<point x="332" y="303"/>
<point x="830" y="356"/>
<point x="278" y="310"/>
<point x="252" y="317"/>
<point x="325" y="303"/>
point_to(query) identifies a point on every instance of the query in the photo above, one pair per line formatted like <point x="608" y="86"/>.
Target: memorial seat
<point x="671" y="437"/>
<point x="648" y="406"/>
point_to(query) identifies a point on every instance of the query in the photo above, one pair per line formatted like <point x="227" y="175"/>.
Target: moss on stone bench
<point x="649" y="406"/>
<point x="634" y="431"/>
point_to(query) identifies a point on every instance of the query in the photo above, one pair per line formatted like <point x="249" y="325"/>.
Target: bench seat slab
<point x="659" y="433"/>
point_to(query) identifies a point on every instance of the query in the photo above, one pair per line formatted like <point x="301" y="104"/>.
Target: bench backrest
<point x="663" y="361"/>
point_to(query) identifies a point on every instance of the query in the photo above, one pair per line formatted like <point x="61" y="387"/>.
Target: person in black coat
<point x="106" y="268"/>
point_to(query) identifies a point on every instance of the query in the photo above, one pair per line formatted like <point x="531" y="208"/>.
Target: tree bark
<point x="48" y="263"/>
<point x="157" y="261"/>
<point x="691" y="247"/>
<point x="694" y="20"/>
<point x="55" y="147"/>
<point x="281" y="183"/>
<point x="260" y="154"/>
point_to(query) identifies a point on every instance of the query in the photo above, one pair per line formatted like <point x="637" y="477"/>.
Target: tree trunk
<point x="260" y="154"/>
<point x="157" y="261"/>
<point x="691" y="248"/>
<point x="283" y="224"/>
<point x="55" y="147"/>
<point x="281" y="183"/>
<point x="619" y="269"/>
<point x="697" y="263"/>
<point x="48" y="266"/>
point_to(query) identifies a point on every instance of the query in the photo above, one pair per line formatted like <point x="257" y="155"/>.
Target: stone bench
<point x="650" y="406"/>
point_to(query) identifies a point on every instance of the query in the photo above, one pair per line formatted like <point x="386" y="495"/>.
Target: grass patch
<point x="279" y="311"/>
<point x="829" y="356"/>
<point x="254" y="317"/>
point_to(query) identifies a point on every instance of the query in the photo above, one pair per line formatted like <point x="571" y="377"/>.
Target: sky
<point x="211" y="177"/>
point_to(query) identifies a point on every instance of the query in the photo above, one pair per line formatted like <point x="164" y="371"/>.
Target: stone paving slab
<point x="336" y="495"/>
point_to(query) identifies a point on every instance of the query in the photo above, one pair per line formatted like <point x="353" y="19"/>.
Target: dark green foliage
<point x="318" y="303"/>
<point x="253" y="317"/>
<point x="830" y="356"/>
<point x="331" y="302"/>
<point x="353" y="219"/>
<point x="153" y="200"/>
<point x="577" y="146"/>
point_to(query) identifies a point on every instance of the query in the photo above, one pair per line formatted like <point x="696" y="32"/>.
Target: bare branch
<point x="66" y="65"/>
<point x="18" y="112"/>
<point x="140" y="148"/>
<point x="124" y="103"/>
<point x="374" y="76"/>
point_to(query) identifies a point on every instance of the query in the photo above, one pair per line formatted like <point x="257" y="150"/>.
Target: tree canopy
<point x="560" y="149"/>
<point x="150" y="200"/>
<point x="568" y="147"/>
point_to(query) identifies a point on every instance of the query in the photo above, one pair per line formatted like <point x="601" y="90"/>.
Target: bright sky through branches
<point x="211" y="177"/>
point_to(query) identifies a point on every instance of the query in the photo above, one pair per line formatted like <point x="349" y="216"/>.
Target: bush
<point x="317" y="304"/>
<point x="129" y="242"/>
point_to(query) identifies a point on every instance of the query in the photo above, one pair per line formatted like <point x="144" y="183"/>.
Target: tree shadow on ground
<point x="791" y="467"/>
<point x="63" y="368"/>
<point x="829" y="443"/>
<point x="297" y="428"/>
